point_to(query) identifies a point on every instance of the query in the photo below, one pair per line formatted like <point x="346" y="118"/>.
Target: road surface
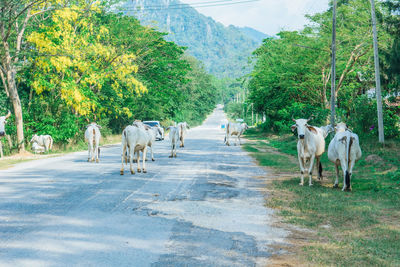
<point x="204" y="208"/>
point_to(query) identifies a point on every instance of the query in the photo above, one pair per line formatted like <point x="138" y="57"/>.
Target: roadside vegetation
<point x="291" y="79"/>
<point x="358" y="228"/>
<point x="76" y="62"/>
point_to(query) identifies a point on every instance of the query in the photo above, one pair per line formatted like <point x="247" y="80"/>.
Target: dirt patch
<point x="373" y="158"/>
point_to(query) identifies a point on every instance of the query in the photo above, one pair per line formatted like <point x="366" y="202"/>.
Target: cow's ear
<point x="312" y="129"/>
<point x="293" y="127"/>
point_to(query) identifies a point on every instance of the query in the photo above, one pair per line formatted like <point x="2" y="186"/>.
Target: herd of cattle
<point x="343" y="150"/>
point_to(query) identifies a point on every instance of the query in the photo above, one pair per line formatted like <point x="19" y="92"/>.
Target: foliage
<point x="291" y="77"/>
<point x="87" y="64"/>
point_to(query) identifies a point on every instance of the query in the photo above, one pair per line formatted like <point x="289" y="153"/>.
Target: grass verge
<point x="9" y="161"/>
<point x="358" y="228"/>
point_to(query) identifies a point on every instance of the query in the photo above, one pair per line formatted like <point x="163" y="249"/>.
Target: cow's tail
<point x="349" y="142"/>
<point x="320" y="169"/>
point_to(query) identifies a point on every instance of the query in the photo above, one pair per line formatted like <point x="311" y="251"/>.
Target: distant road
<point x="204" y="208"/>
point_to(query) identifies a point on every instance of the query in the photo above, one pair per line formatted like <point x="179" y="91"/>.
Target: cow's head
<point x="35" y="138"/>
<point x="245" y="126"/>
<point x="302" y="126"/>
<point x="3" y="121"/>
<point x="327" y="129"/>
<point x="341" y="127"/>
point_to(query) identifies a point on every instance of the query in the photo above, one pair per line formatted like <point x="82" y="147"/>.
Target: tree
<point x="15" y="17"/>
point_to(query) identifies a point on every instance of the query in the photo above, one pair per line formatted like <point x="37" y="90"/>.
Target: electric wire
<point x="186" y="6"/>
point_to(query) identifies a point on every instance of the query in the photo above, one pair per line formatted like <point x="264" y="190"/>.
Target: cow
<point x="92" y="137"/>
<point x="153" y="132"/>
<point x="344" y="149"/>
<point x="326" y="130"/>
<point x="36" y="148"/>
<point x="45" y="141"/>
<point x="173" y="139"/>
<point x="135" y="139"/>
<point x="182" y="127"/>
<point x="3" y="121"/>
<point x="310" y="146"/>
<point x="235" y="129"/>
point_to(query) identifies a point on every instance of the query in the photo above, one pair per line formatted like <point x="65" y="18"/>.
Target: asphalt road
<point x="204" y="208"/>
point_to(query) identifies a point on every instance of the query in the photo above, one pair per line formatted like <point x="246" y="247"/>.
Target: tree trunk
<point x="12" y="88"/>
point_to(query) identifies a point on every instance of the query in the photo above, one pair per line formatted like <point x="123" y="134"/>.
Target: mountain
<point x="223" y="50"/>
<point x="253" y="33"/>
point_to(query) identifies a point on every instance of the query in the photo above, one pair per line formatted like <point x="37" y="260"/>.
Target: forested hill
<point x="223" y="50"/>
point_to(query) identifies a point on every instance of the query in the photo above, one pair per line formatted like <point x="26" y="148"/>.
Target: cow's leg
<point x="239" y="140"/>
<point x="310" y="169"/>
<point x="350" y="171"/>
<point x="152" y="155"/>
<point x="175" y="150"/>
<point x="144" y="159"/>
<point x="97" y="153"/>
<point x="1" y="149"/>
<point x="88" y="159"/>
<point x="336" y="185"/>
<point x="302" y="169"/>
<point x="123" y="157"/>
<point x="131" y="152"/>
<point x="227" y="140"/>
<point x="172" y="151"/>
<point x="138" y="161"/>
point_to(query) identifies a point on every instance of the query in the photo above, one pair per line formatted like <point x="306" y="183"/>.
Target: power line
<point x="192" y="4"/>
<point x="189" y="6"/>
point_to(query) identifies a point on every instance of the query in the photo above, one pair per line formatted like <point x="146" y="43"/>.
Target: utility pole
<point x="377" y="76"/>
<point x="333" y="72"/>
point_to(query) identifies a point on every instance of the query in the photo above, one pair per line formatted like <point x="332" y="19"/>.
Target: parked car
<point x="156" y="124"/>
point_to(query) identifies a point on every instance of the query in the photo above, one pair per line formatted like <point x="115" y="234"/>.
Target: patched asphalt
<point x="204" y="208"/>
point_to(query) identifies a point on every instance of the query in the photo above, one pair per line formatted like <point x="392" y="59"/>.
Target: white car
<point x="156" y="124"/>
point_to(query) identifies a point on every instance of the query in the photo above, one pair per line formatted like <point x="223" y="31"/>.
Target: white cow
<point x="153" y="132"/>
<point x="45" y="141"/>
<point x="173" y="139"/>
<point x="326" y="130"/>
<point x="3" y="121"/>
<point x="134" y="139"/>
<point x="235" y="129"/>
<point x="36" y="148"/>
<point x="344" y="149"/>
<point x="92" y="137"/>
<point x="182" y="127"/>
<point x="310" y="146"/>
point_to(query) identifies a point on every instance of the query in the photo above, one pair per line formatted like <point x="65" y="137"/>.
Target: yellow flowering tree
<point x="77" y="62"/>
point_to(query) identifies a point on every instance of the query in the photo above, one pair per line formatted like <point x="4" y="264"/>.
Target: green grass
<point x="358" y="228"/>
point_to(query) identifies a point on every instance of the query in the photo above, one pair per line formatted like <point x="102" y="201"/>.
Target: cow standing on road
<point x="3" y="121"/>
<point x="173" y="139"/>
<point x="182" y="127"/>
<point x="92" y="137"/>
<point x="135" y="139"/>
<point x="235" y="129"/>
<point x="310" y="146"/>
<point x="344" y="149"/>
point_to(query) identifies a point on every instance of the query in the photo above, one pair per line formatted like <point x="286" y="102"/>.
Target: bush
<point x="364" y="119"/>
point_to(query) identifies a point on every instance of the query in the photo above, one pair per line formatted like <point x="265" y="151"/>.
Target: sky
<point x="267" y="16"/>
